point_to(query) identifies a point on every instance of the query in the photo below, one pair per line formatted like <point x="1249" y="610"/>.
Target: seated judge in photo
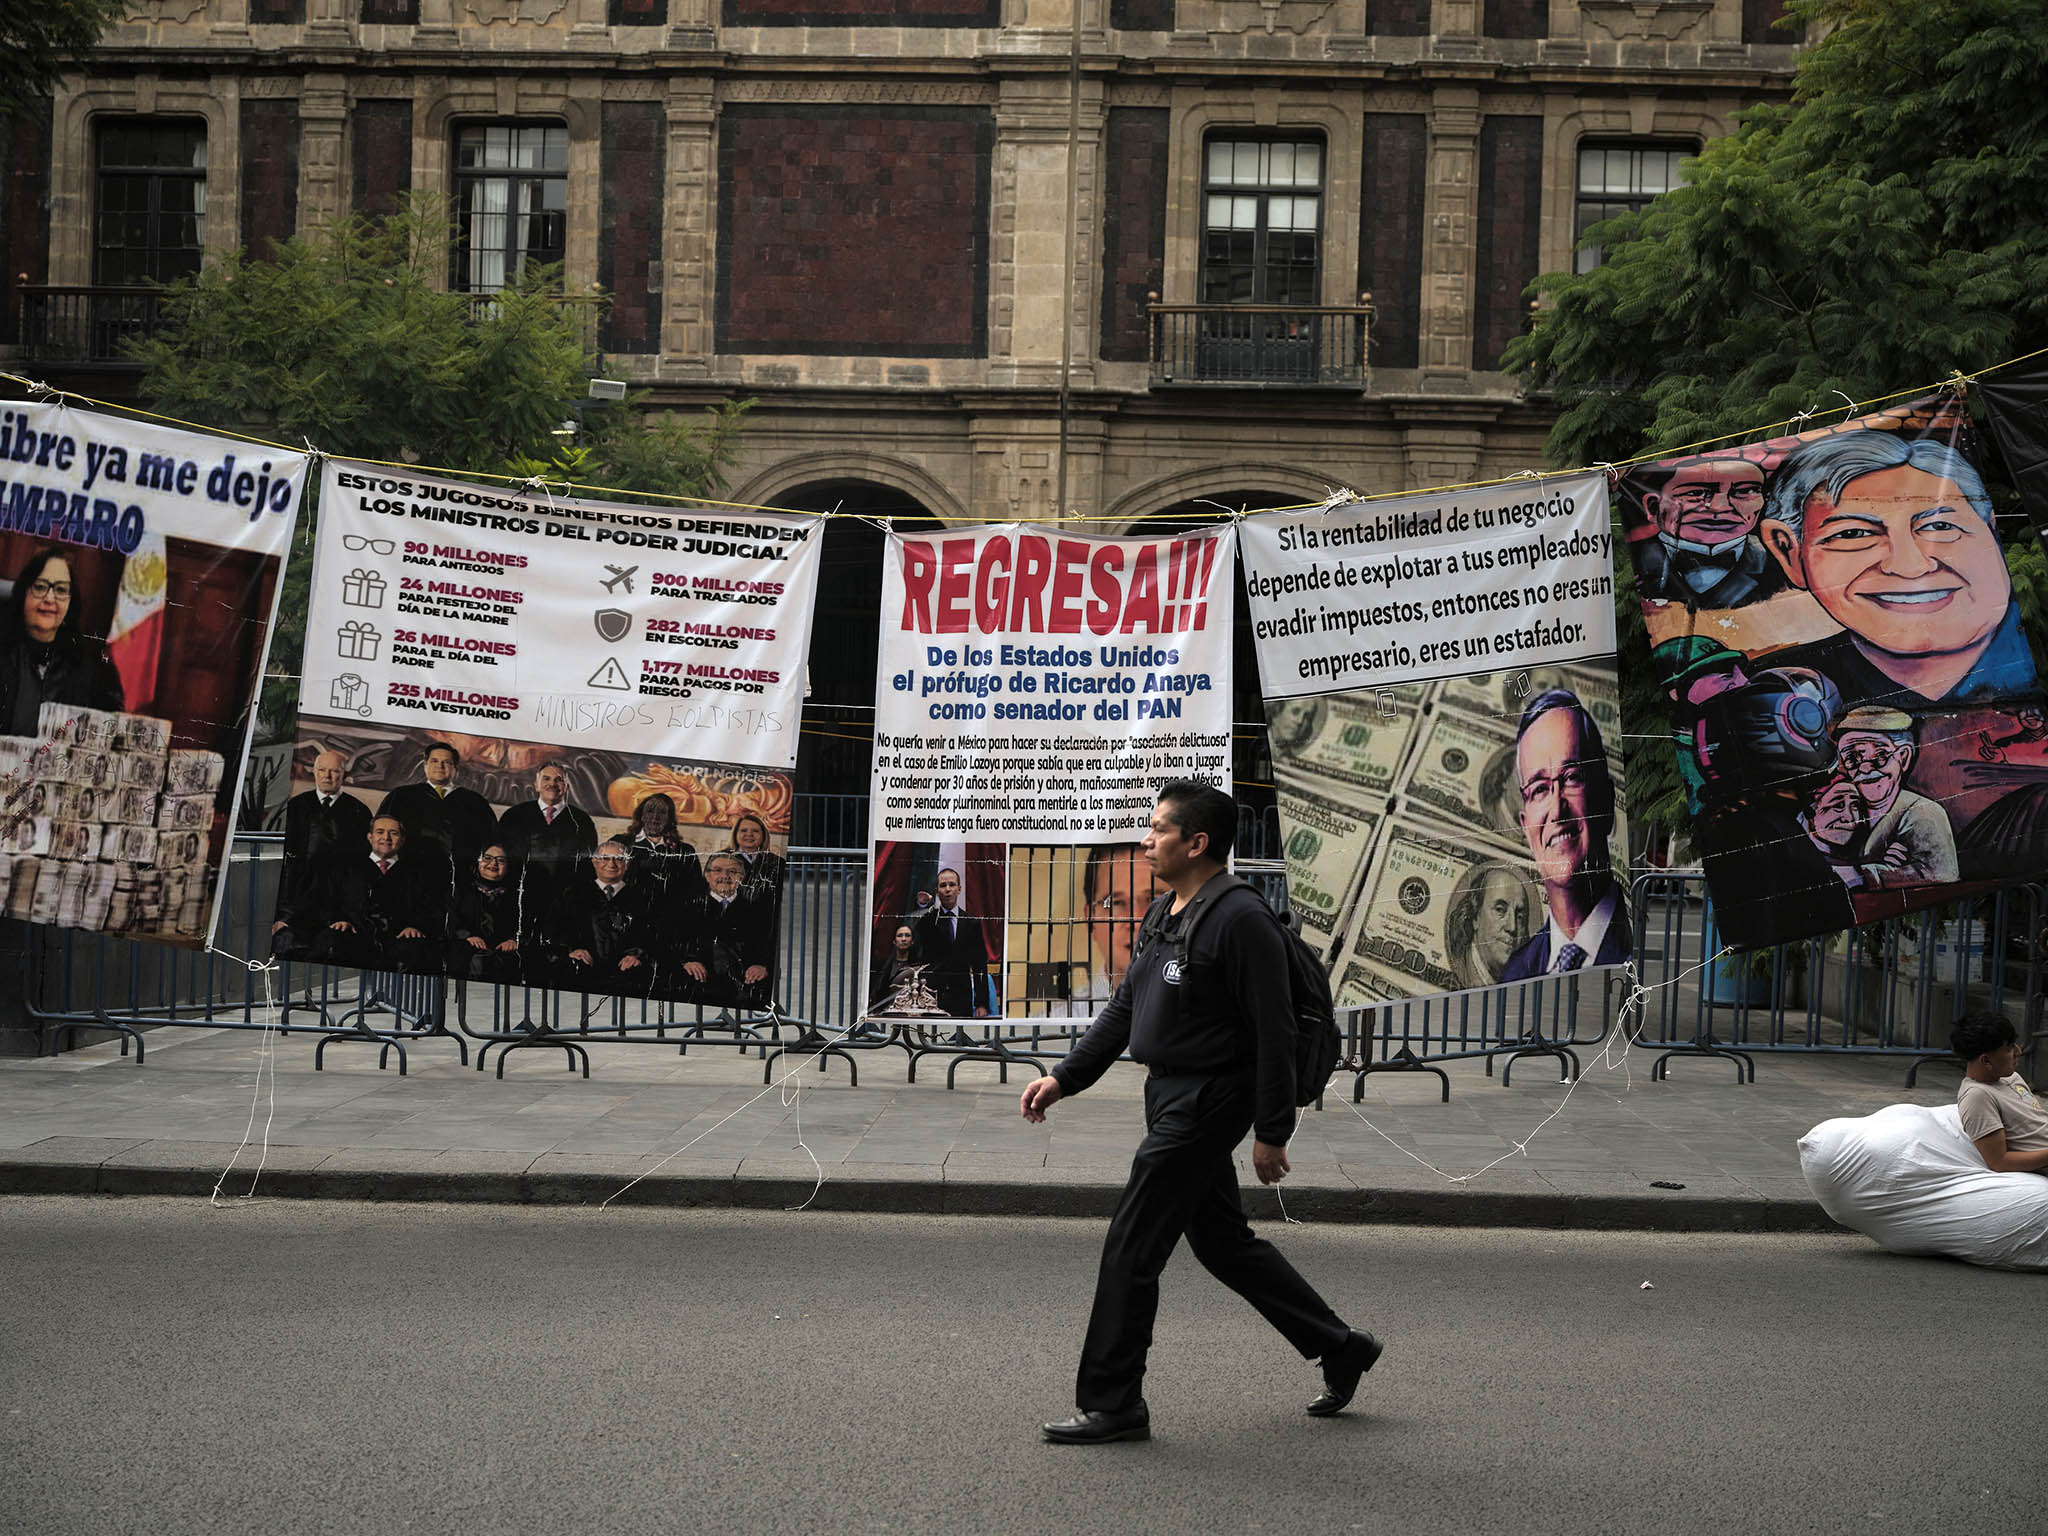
<point x="750" y="842"/>
<point x="661" y="857"/>
<point x="484" y="935"/>
<point x="45" y="658"/>
<point x="1894" y="539"/>
<point x="389" y="909"/>
<point x="728" y="937"/>
<point x="1568" y="805"/>
<point x="547" y="838"/>
<point x="318" y="824"/>
<point x="440" y="813"/>
<point x="600" y="929"/>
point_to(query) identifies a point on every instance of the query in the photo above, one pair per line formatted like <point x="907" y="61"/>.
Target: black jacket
<point x="461" y="822"/>
<point x="314" y="837"/>
<point x="1231" y="1015"/>
<point x="413" y="893"/>
<point x="77" y="672"/>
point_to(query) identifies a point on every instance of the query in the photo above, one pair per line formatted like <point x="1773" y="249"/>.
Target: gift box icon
<point x="362" y="588"/>
<point x="358" y="641"/>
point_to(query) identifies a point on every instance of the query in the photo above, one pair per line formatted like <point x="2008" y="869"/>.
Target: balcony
<point x="88" y="327"/>
<point x="1259" y="346"/>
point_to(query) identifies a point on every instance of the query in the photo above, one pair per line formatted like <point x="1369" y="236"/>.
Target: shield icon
<point x="613" y="624"/>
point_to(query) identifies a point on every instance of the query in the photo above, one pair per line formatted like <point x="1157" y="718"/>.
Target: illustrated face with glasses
<point x="1876" y="764"/>
<point x="47" y="601"/>
<point x="1567" y="797"/>
<point x="375" y="546"/>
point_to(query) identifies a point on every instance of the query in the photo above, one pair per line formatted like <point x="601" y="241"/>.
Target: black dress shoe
<point x="1342" y="1368"/>
<point x="1133" y="1423"/>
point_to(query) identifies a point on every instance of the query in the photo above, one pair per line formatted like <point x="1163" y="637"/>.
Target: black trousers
<point x="1183" y="1184"/>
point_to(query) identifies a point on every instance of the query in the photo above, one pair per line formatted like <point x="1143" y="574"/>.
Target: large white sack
<point x="1908" y="1177"/>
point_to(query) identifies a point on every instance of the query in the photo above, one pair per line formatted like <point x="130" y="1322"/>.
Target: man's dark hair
<point x="442" y="746"/>
<point x="1196" y="807"/>
<point x="1981" y="1031"/>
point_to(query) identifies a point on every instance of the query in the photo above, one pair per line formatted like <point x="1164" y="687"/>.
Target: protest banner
<point x="142" y="565"/>
<point x="1445" y="728"/>
<point x="1035" y="688"/>
<point x="1854" y="708"/>
<point x="500" y="686"/>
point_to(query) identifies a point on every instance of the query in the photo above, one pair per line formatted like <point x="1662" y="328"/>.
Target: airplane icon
<point x="618" y="575"/>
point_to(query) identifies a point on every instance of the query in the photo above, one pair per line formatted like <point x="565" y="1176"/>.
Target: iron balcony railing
<point x="87" y="325"/>
<point x="1254" y="345"/>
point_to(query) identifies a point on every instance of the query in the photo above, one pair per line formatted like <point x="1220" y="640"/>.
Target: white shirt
<point x="1592" y="932"/>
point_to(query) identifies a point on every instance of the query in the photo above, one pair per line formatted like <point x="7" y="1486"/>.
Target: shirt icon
<point x="349" y="692"/>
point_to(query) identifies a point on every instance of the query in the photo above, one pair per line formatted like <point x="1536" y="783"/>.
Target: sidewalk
<point x="91" y="1121"/>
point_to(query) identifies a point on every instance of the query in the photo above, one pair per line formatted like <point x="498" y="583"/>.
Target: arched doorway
<point x="834" y="755"/>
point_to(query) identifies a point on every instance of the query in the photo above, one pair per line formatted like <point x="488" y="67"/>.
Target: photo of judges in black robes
<point x="580" y="875"/>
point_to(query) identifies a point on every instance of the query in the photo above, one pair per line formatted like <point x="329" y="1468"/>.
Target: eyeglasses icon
<point x="359" y="541"/>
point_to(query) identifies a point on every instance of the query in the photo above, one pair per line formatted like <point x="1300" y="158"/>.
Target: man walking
<point x="1219" y="1044"/>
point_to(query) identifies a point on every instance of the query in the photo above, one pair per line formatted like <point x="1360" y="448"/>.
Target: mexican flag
<point x="135" y="641"/>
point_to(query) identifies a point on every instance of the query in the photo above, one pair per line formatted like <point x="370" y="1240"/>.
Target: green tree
<point x="1885" y="228"/>
<point x="347" y="341"/>
<point x="38" y="38"/>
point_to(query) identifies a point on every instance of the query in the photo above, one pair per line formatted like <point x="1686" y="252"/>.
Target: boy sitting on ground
<point x="2000" y="1112"/>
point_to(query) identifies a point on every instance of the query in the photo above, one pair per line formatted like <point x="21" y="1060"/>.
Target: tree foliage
<point x="1887" y="227"/>
<point x="347" y="341"/>
<point x="38" y="38"/>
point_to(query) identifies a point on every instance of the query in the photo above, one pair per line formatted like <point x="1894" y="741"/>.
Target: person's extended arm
<point x="1088" y="1060"/>
<point x="1992" y="1149"/>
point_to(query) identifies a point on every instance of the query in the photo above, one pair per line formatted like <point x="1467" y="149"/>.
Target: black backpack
<point x="1318" y="1044"/>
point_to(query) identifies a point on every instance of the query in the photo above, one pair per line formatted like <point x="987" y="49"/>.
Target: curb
<point x="919" y="1197"/>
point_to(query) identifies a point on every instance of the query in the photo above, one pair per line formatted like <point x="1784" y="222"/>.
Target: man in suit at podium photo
<point x="953" y="946"/>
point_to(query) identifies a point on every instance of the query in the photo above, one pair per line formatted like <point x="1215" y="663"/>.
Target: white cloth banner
<point x="148" y="563"/>
<point x="677" y="631"/>
<point x="1035" y="688"/>
<point x="1445" y="728"/>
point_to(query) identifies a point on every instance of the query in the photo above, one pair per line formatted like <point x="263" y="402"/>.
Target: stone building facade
<point x="855" y="212"/>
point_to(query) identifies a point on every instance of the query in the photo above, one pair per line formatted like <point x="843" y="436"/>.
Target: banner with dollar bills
<point x="141" y="567"/>
<point x="1035" y="688"/>
<point x="546" y="741"/>
<point x="1440" y="693"/>
<point x="1853" y="705"/>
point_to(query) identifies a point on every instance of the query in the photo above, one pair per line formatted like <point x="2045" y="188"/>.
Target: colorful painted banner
<point x="547" y="741"/>
<point x="1440" y="693"/>
<point x="142" y="572"/>
<point x="1853" y="704"/>
<point x="1035" y="689"/>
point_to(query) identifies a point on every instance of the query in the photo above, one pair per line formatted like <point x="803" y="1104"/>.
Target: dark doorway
<point x="835" y="753"/>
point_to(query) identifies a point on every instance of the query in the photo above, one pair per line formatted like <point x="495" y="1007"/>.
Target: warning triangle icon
<point x="611" y="675"/>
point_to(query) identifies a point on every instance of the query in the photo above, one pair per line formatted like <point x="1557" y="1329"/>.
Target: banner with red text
<point x="546" y="741"/>
<point x="1035" y="688"/>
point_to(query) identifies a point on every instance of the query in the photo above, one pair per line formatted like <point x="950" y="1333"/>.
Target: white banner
<point x="1035" y="688"/>
<point x="1437" y="585"/>
<point x="1446" y="734"/>
<point x="577" y="659"/>
<point x="142" y="566"/>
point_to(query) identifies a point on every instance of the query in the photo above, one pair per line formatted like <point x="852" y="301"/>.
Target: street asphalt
<point x="237" y="1110"/>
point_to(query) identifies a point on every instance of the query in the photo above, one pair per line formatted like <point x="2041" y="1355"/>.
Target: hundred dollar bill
<point x="1502" y="695"/>
<point x="1464" y="773"/>
<point x="1357" y="739"/>
<point x="1440" y="912"/>
<point x="1327" y="844"/>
